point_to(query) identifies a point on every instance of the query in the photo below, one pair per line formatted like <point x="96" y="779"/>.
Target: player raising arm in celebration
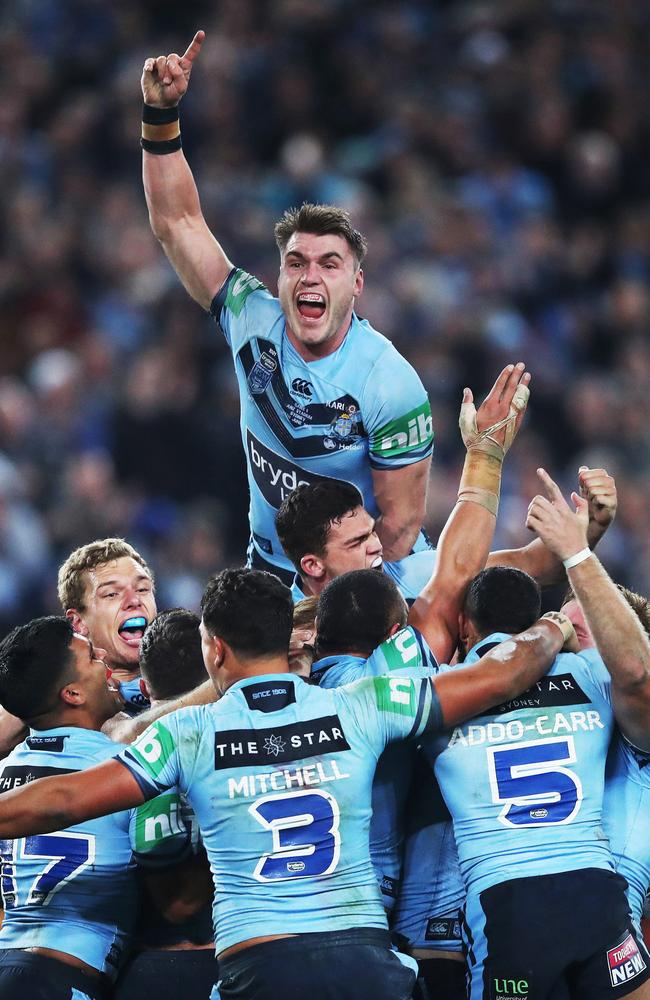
<point x="323" y="395"/>
<point x="279" y="774"/>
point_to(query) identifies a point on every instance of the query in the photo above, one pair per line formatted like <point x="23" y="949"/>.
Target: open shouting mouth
<point x="311" y="305"/>
<point x="132" y="630"/>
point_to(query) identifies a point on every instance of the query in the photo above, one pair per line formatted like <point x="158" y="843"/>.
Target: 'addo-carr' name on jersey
<point x="361" y="407"/>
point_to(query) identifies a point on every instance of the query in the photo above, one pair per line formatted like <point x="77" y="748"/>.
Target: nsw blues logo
<point x="263" y="371"/>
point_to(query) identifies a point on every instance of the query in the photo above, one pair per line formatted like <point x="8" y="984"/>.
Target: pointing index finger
<point x="551" y="488"/>
<point x="194" y="47"/>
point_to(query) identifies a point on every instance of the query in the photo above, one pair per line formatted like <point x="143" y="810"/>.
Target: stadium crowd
<point x="495" y="157"/>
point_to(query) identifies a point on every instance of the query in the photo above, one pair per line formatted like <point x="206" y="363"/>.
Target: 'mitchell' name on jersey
<point x="279" y="774"/>
<point x="360" y="408"/>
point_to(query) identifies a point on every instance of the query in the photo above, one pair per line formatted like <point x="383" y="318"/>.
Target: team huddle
<point x="370" y="768"/>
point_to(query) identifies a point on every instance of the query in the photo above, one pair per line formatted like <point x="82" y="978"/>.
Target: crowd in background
<point x="494" y="153"/>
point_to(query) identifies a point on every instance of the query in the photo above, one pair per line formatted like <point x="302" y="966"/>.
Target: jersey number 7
<point x="67" y="854"/>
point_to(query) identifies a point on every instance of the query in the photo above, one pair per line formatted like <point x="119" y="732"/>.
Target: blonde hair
<point x="71" y="584"/>
<point x="304" y="612"/>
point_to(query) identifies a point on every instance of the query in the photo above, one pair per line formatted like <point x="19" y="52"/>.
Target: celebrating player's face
<point x="319" y="279"/>
<point x="90" y="665"/>
<point x="352" y="543"/>
<point x="118" y="605"/>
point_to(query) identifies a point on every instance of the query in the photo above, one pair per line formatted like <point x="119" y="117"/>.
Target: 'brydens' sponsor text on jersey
<point x="361" y="407"/>
<point x="75" y="890"/>
<point x="279" y="774"/>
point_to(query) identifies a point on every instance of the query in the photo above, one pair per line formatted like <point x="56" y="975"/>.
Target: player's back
<point x="524" y="782"/>
<point x="280" y="773"/>
<point x="74" y="890"/>
<point x="405" y="653"/>
<point x="626" y="817"/>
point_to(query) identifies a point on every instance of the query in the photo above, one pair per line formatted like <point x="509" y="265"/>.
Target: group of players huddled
<point x="369" y="769"/>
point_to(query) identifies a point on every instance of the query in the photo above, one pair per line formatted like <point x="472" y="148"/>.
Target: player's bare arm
<point x="59" y="802"/>
<point x="617" y="632"/>
<point x="466" y="538"/>
<point x="505" y="672"/>
<point x="123" y="729"/>
<point x="401" y="496"/>
<point x="172" y="197"/>
<point x="599" y="488"/>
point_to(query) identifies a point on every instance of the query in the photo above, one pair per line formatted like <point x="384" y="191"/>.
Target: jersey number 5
<point x="531" y="783"/>
<point x="306" y="839"/>
<point x="67" y="853"/>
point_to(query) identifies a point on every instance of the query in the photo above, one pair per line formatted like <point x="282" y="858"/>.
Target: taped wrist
<point x="161" y="130"/>
<point x="564" y="624"/>
<point x="481" y="479"/>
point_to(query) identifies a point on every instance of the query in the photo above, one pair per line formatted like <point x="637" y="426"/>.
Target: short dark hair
<point x="250" y="610"/>
<point x="35" y="663"/>
<point x="503" y="599"/>
<point x="171" y="660"/>
<point x="321" y="220"/>
<point x="356" y="612"/>
<point x="305" y="517"/>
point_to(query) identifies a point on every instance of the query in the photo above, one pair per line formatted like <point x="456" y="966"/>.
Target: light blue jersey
<point x="361" y="408"/>
<point x="524" y="782"/>
<point x="75" y="890"/>
<point x="411" y="575"/>
<point x="626" y="817"/>
<point x="279" y="774"/>
<point x="432" y="892"/>
<point x="405" y="653"/>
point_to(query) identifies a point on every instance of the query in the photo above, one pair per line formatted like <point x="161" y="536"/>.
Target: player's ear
<point x="144" y="689"/>
<point x="394" y="628"/>
<point x="77" y="622"/>
<point x="358" y="283"/>
<point x="72" y="694"/>
<point x="311" y="565"/>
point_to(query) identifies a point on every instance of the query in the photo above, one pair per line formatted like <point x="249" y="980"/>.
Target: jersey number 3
<point x="532" y="785"/>
<point x="306" y="838"/>
<point x="67" y="855"/>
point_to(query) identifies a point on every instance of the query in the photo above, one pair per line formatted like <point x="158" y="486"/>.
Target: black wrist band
<point x="159" y="116"/>
<point x="160" y="148"/>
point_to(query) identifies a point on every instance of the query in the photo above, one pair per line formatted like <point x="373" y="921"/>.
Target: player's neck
<point x="124" y="673"/>
<point x="242" y="670"/>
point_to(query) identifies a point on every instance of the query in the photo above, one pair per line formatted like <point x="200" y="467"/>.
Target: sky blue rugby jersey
<point x="524" y="782"/>
<point x="279" y="773"/>
<point x="411" y="575"/>
<point x="432" y="892"/>
<point x="360" y="408"/>
<point x="405" y="653"/>
<point x="626" y="817"/>
<point x="75" y="890"/>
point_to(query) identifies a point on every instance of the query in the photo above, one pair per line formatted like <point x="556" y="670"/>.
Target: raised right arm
<point x="172" y="197"/>
<point x="59" y="802"/>
<point x="503" y="673"/>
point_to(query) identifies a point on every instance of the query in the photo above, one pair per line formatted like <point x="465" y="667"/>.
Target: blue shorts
<point x="441" y="979"/>
<point x="338" y="965"/>
<point x="26" y="976"/>
<point x="551" y="937"/>
<point x="168" y="975"/>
